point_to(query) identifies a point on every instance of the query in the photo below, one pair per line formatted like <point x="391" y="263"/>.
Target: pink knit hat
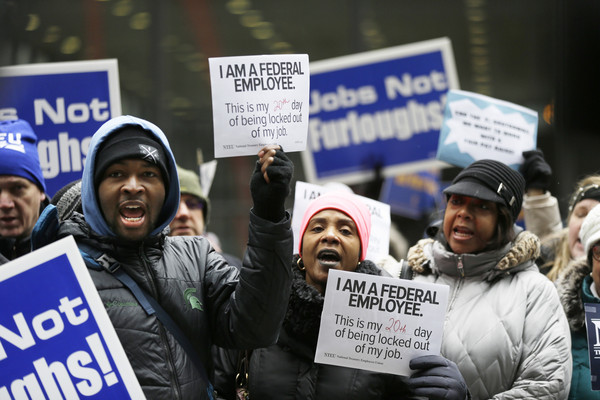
<point x="347" y="203"/>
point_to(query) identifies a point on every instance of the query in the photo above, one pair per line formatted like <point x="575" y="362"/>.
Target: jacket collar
<point x="515" y="256"/>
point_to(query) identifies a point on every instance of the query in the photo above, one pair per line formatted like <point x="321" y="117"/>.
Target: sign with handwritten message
<point x="379" y="323"/>
<point x="259" y="100"/>
<point x="477" y="127"/>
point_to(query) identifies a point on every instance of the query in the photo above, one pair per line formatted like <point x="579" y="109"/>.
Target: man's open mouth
<point x="132" y="213"/>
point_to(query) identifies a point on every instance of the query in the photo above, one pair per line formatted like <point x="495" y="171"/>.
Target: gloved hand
<point x="436" y="378"/>
<point x="536" y="170"/>
<point x="270" y="183"/>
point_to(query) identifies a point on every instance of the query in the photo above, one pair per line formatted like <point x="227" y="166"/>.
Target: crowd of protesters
<point x="514" y="325"/>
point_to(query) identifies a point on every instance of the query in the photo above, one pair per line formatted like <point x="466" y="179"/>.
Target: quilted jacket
<point x="504" y="326"/>
<point x="211" y="301"/>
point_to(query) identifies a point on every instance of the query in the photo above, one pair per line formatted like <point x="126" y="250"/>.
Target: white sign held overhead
<point x="259" y="100"/>
<point x="478" y="127"/>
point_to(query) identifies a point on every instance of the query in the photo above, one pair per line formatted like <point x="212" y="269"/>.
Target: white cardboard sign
<point x="259" y="100"/>
<point x="379" y="323"/>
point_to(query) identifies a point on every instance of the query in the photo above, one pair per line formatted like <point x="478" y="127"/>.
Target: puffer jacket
<point x="211" y="301"/>
<point x="504" y="326"/>
<point x="573" y="286"/>
<point x="286" y="370"/>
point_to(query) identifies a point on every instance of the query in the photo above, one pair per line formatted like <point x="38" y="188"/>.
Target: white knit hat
<point x="589" y="234"/>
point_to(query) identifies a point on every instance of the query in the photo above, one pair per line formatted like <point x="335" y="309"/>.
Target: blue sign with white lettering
<point x="65" y="103"/>
<point x="413" y="195"/>
<point x="381" y="109"/>
<point x="54" y="340"/>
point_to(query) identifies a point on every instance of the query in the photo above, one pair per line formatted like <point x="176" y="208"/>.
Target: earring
<point x="301" y="266"/>
<point x="358" y="265"/>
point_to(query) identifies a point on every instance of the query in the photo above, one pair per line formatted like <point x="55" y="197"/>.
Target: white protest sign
<point x="379" y="241"/>
<point x="259" y="100"/>
<point x="207" y="175"/>
<point x="379" y="323"/>
<point x="478" y="127"/>
<point x="55" y="334"/>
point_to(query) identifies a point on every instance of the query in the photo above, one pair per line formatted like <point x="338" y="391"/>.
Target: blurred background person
<point x="577" y="284"/>
<point x="504" y="326"/>
<point x="561" y="248"/>
<point x="22" y="188"/>
<point x="542" y="215"/>
<point x="193" y="213"/>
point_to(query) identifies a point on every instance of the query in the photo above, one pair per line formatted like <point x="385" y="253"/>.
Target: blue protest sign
<point x="56" y="340"/>
<point x="413" y="195"/>
<point x="380" y="109"/>
<point x="65" y="103"/>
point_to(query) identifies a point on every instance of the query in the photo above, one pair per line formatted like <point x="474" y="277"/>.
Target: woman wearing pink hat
<point x="334" y="234"/>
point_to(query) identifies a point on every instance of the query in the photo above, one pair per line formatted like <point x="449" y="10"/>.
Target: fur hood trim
<point x="569" y="287"/>
<point x="526" y="247"/>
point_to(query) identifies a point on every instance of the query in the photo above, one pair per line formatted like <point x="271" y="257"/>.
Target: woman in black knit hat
<point x="504" y="326"/>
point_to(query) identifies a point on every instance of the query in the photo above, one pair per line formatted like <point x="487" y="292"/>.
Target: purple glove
<point x="437" y="378"/>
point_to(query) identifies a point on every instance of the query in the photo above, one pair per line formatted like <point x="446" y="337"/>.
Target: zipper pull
<point x="461" y="269"/>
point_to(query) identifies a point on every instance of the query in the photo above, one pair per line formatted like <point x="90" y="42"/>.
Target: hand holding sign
<point x="436" y="378"/>
<point x="270" y="183"/>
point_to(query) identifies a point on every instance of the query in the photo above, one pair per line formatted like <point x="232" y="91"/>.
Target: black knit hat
<point x="130" y="142"/>
<point x="493" y="181"/>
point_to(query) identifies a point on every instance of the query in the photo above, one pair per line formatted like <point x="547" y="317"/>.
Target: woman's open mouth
<point x="460" y="232"/>
<point x="329" y="258"/>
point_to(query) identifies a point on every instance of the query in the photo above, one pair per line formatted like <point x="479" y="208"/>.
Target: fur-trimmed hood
<point x="569" y="285"/>
<point x="431" y="255"/>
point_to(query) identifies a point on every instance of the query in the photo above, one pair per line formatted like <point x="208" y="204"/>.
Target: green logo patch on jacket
<point x="195" y="303"/>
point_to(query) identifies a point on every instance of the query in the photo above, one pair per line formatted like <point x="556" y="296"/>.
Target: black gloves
<point x="536" y="171"/>
<point x="436" y="378"/>
<point x="269" y="198"/>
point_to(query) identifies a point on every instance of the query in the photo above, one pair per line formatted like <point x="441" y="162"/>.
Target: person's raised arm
<point x="270" y="183"/>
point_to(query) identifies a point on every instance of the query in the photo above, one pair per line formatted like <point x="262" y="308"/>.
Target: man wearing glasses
<point x="192" y="215"/>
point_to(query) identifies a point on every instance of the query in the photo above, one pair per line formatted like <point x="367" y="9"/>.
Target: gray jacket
<point x="504" y="326"/>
